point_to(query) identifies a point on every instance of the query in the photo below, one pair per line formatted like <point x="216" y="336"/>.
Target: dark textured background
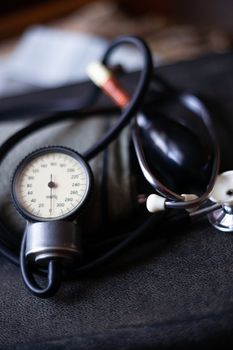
<point x="172" y="292"/>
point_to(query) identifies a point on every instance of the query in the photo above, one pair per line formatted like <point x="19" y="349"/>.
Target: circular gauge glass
<point x="51" y="184"/>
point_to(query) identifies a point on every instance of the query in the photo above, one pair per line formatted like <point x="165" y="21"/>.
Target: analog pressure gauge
<point x="51" y="183"/>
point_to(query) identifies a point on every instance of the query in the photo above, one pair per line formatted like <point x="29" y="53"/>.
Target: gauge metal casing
<point x="70" y="215"/>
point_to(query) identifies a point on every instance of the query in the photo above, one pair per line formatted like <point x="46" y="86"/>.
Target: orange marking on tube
<point x="115" y="92"/>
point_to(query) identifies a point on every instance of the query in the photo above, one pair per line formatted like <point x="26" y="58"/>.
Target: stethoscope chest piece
<point x="222" y="194"/>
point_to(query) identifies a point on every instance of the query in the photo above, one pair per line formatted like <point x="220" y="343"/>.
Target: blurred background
<point x="47" y="43"/>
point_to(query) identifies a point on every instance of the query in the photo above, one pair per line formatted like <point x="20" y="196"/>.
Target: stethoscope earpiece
<point x="220" y="209"/>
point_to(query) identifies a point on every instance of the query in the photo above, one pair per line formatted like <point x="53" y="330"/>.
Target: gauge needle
<point x="51" y="184"/>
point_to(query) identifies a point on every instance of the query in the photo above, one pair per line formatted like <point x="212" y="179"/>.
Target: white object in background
<point x="48" y="57"/>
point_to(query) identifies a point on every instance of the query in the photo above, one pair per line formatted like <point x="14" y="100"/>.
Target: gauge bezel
<point x="44" y="150"/>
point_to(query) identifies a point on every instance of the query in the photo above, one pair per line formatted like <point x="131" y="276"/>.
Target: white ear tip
<point x="223" y="188"/>
<point x="155" y="203"/>
<point x="189" y="196"/>
<point x="98" y="73"/>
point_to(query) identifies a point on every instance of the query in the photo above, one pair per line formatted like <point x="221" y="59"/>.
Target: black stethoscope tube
<point x="55" y="272"/>
<point x="99" y="146"/>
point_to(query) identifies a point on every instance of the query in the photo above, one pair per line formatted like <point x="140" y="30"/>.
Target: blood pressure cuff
<point x="174" y="291"/>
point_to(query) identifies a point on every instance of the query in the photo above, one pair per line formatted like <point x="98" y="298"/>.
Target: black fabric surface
<point x="171" y="292"/>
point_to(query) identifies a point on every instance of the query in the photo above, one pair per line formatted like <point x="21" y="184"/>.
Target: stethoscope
<point x="51" y="186"/>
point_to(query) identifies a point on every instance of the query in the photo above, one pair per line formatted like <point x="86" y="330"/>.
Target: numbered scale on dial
<point x="51" y="184"/>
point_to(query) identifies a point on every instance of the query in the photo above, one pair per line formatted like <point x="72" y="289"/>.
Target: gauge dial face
<point x="51" y="184"/>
